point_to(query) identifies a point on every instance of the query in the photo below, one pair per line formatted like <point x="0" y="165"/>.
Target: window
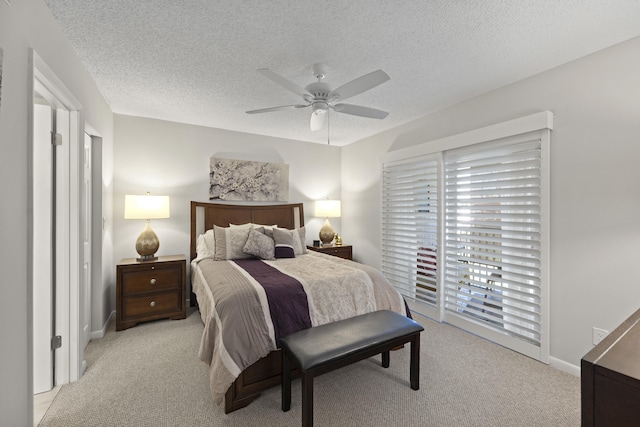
<point x="492" y="263"/>
<point x="464" y="234"/>
<point x="410" y="227"/>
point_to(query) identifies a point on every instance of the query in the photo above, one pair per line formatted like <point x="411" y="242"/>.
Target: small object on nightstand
<point x="150" y="290"/>
<point x="338" y="240"/>
<point x="339" y="251"/>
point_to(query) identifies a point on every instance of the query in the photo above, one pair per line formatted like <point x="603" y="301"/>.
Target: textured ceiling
<point x="195" y="61"/>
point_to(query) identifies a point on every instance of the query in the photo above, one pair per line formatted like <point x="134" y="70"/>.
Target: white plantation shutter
<point x="492" y="260"/>
<point x="410" y="227"/>
<point x="465" y="230"/>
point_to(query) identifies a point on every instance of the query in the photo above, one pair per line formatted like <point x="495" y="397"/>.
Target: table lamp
<point x="146" y="207"/>
<point x="327" y="209"/>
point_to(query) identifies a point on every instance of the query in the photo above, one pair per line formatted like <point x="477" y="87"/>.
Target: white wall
<point x="595" y="177"/>
<point x="172" y="159"/>
<point x="25" y="24"/>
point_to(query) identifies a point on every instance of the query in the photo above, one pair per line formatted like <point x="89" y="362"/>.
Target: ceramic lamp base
<point x="147" y="244"/>
<point x="327" y="233"/>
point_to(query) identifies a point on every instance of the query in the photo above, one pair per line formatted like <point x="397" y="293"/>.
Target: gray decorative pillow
<point x="230" y="242"/>
<point x="283" y="243"/>
<point x="289" y="243"/>
<point x="259" y="245"/>
<point x="301" y="240"/>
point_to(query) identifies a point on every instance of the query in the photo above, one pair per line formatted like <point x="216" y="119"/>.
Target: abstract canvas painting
<point x="248" y="180"/>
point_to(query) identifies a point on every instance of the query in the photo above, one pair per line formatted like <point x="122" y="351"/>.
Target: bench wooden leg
<point x="385" y="359"/>
<point x="307" y="399"/>
<point x="286" y="383"/>
<point x="415" y="362"/>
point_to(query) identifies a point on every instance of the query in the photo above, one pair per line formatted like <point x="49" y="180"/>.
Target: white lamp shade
<point x="328" y="208"/>
<point x="146" y="207"/>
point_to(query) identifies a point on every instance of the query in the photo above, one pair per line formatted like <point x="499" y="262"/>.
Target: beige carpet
<point x="150" y="375"/>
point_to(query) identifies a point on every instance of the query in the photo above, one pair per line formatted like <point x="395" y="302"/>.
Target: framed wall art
<point x="245" y="180"/>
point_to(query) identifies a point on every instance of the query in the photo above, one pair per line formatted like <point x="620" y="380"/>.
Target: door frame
<point x="69" y="359"/>
<point x="86" y="236"/>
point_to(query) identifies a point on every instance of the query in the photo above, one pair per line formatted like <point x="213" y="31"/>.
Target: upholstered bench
<point x="324" y="348"/>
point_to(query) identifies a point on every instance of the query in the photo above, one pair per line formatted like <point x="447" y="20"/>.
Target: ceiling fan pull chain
<point x="328" y="128"/>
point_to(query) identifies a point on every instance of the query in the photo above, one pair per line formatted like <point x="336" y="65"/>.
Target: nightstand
<point x="150" y="290"/>
<point x="344" y="251"/>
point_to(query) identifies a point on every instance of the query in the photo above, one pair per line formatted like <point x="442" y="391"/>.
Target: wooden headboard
<point x="205" y="215"/>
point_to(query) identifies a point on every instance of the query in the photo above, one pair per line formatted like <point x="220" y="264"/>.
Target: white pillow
<point x="210" y="241"/>
<point x="266" y="227"/>
<point x="252" y="225"/>
<point x="206" y="245"/>
<point x="242" y="226"/>
<point x="201" y="247"/>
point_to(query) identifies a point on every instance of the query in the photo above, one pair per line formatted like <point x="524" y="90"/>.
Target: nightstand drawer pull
<point x="152" y="304"/>
<point x="153" y="281"/>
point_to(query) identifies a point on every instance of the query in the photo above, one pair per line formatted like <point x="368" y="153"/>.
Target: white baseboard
<point x="567" y="367"/>
<point x="96" y="335"/>
<point x="554" y="362"/>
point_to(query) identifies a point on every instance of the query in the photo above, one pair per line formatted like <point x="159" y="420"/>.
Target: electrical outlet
<point x="598" y="335"/>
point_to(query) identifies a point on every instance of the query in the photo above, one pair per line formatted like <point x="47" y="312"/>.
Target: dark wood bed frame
<point x="266" y="372"/>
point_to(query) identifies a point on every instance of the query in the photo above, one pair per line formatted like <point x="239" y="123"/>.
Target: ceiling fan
<point x="320" y="97"/>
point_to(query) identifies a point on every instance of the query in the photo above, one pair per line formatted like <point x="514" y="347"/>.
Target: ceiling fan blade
<point x="358" y="110"/>
<point x="317" y="121"/>
<point x="286" y="83"/>
<point x="281" y="107"/>
<point x="361" y="84"/>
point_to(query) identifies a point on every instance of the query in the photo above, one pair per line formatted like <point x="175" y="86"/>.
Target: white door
<point x="67" y="253"/>
<point x="85" y="220"/>
<point x="42" y="249"/>
<point x="62" y="246"/>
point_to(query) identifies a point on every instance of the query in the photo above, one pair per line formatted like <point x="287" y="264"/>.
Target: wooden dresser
<point x="345" y="252"/>
<point x="610" y="378"/>
<point x="150" y="290"/>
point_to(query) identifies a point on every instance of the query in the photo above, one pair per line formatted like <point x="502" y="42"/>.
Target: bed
<point x="238" y="298"/>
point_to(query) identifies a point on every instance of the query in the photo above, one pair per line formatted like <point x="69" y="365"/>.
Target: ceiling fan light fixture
<point x="320" y="108"/>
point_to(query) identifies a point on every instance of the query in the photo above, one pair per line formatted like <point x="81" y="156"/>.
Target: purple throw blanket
<point x="287" y="299"/>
